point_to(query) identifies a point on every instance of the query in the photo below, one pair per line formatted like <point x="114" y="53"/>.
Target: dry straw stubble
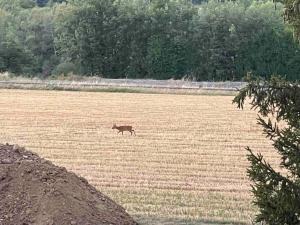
<point x="187" y="160"/>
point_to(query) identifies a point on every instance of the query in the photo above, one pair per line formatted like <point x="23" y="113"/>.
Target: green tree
<point x="277" y="194"/>
<point x="89" y="37"/>
<point x="291" y="15"/>
<point x="39" y="39"/>
<point x="215" y="40"/>
<point x="13" y="55"/>
<point x="166" y="55"/>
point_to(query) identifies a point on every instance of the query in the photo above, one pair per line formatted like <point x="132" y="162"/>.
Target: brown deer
<point x="123" y="128"/>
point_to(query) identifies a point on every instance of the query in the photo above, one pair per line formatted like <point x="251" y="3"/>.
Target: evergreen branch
<point x="271" y="131"/>
<point x="260" y="168"/>
<point x="275" y="97"/>
<point x="276" y="196"/>
<point x="288" y="145"/>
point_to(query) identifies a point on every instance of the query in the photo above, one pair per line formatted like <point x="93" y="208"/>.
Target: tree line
<point x="160" y="39"/>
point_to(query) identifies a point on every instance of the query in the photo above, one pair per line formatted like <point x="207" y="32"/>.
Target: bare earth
<point x="186" y="164"/>
<point x="33" y="191"/>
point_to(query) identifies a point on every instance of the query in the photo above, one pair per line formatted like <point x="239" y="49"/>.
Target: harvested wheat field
<point x="186" y="164"/>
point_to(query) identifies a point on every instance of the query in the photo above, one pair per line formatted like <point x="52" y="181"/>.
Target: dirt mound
<point x="33" y="191"/>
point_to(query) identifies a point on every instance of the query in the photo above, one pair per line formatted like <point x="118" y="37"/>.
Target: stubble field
<point x="186" y="164"/>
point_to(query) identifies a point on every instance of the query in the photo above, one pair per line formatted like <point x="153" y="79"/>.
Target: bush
<point x="27" y="4"/>
<point x="65" y="68"/>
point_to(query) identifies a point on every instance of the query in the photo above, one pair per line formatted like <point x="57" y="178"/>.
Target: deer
<point x="123" y="128"/>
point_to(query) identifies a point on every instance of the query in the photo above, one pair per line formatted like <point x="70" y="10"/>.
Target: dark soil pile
<point x="33" y="191"/>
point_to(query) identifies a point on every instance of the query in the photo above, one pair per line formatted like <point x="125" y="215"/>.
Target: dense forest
<point x="160" y="39"/>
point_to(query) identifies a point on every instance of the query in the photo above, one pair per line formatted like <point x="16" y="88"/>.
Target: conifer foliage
<point x="277" y="193"/>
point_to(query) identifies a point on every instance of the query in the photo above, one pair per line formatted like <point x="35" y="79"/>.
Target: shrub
<point x="65" y="68"/>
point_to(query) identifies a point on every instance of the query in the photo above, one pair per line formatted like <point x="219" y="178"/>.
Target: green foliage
<point x="153" y="39"/>
<point x="27" y="4"/>
<point x="291" y="15"/>
<point x="41" y="3"/>
<point x="39" y="40"/>
<point x="65" y="69"/>
<point x="277" y="195"/>
<point x="13" y="58"/>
